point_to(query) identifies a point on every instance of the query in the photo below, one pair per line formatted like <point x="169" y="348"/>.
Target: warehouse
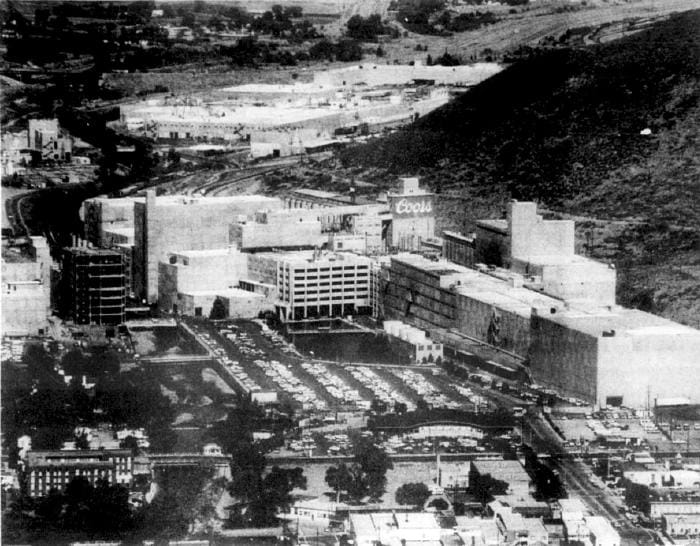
<point x="494" y="308"/>
<point x="177" y="222"/>
<point x="615" y="356"/>
<point x="187" y="272"/>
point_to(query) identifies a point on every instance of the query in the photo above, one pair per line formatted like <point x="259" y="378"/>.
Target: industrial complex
<point x="290" y="119"/>
<point x="515" y="285"/>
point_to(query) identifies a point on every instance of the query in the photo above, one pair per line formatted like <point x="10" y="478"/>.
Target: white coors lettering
<point x="404" y="206"/>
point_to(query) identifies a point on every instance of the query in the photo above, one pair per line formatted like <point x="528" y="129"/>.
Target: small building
<point x="46" y="138"/>
<point x="601" y="532"/>
<point x="419" y="347"/>
<point x="510" y="472"/>
<point x="391" y="528"/>
<point x="682" y="526"/>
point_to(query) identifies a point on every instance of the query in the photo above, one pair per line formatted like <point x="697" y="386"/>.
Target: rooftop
<point x="296" y="88"/>
<point x="226" y="293"/>
<point x="508" y="469"/>
<point x="499" y="226"/>
<point x="501" y="291"/>
<point x="631" y="322"/>
<point x="602" y="529"/>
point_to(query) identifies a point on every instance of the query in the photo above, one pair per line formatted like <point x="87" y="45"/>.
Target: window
<point x="197" y="311"/>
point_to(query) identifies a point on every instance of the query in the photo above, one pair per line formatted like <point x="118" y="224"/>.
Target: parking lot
<point x="260" y="359"/>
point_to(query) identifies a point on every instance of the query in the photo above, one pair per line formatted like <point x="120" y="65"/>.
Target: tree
<point x="218" y="310"/>
<point x="74" y="363"/>
<point x="374" y="463"/>
<point x="82" y="441"/>
<point x="414" y="494"/>
<point x="339" y="478"/>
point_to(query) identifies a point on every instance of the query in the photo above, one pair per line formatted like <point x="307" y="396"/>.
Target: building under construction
<point x="94" y="286"/>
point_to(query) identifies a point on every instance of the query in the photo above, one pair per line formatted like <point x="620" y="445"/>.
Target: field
<point x="534" y="22"/>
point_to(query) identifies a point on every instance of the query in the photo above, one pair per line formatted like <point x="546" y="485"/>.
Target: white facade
<point x="312" y="284"/>
<point x="412" y="215"/>
<point x="188" y="272"/>
<point x="601" y="532"/>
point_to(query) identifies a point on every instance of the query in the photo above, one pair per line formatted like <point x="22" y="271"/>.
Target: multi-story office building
<point x="93" y="286"/>
<point x="47" y="470"/>
<point x="315" y="284"/>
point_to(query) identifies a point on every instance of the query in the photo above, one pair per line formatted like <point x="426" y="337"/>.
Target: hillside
<point x="564" y="128"/>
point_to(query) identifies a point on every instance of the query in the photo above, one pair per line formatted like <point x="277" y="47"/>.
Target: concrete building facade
<point x="615" y="356"/>
<point x="190" y="271"/>
<point x="314" y="284"/>
<point x="413" y="216"/>
<point x="47" y="470"/>
<point x="26" y="288"/>
<point x="93" y="286"/>
<point x="173" y="223"/>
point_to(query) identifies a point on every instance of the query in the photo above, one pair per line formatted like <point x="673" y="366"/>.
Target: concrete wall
<point x="532" y="237"/>
<point x="182" y="223"/>
<point x="384" y="74"/>
<point x="474" y="318"/>
<point x="564" y="359"/>
<point x="654" y="364"/>
<point x="100" y="215"/>
<point x="24" y="305"/>
<point x="194" y="271"/>
<point x="277" y="233"/>
<point x="241" y="305"/>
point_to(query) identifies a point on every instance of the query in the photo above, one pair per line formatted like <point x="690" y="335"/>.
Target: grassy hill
<point x="565" y="128"/>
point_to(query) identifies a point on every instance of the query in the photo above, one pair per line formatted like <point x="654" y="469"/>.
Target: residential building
<point x="47" y="470"/>
<point x="93" y="286"/>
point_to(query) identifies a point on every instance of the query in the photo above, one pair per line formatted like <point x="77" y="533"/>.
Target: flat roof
<point x="226" y="293"/>
<point x="496" y="291"/>
<point x="206" y="252"/>
<point x="501" y="468"/>
<point x="304" y="257"/>
<point x="623" y="321"/>
<point x="602" y="529"/>
<point x="258" y="116"/>
<point x="491" y="224"/>
<point x="316" y="193"/>
<point x="263" y="88"/>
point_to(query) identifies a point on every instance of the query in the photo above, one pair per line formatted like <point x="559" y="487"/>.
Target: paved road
<point x="578" y="479"/>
